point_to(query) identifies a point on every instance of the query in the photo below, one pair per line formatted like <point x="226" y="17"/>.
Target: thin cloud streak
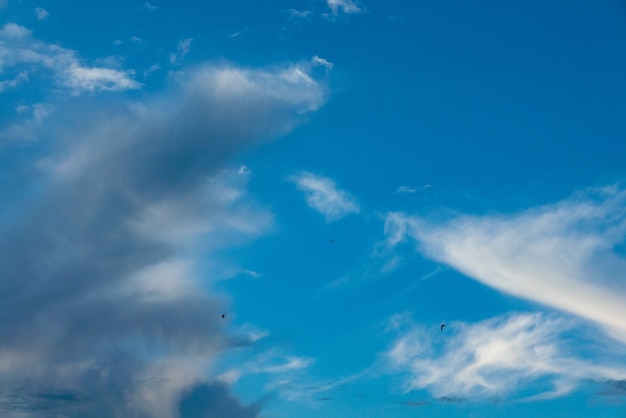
<point x="345" y="6"/>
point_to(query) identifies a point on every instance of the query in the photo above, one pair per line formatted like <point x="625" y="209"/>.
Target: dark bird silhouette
<point x="442" y="326"/>
<point x="224" y="316"/>
<point x="331" y="241"/>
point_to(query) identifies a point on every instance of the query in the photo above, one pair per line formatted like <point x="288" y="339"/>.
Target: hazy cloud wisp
<point x="323" y="195"/>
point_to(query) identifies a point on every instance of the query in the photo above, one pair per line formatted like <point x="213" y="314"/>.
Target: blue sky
<point x="340" y="178"/>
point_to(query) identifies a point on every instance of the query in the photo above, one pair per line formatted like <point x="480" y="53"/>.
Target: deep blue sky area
<point x="270" y="209"/>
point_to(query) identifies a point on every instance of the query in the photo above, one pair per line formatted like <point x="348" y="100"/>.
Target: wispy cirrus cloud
<point x="345" y="6"/>
<point x="411" y="189"/>
<point x="182" y="49"/>
<point x="14" y="82"/>
<point x="319" y="61"/>
<point x="518" y="355"/>
<point x="322" y="194"/>
<point x="19" y="51"/>
<point x="153" y="68"/>
<point x="406" y="189"/>
<point x="299" y="14"/>
<point x="568" y="255"/>
<point x="102" y="299"/>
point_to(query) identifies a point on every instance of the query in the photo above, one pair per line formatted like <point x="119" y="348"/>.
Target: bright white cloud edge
<point x="18" y="48"/>
<point x="561" y="255"/>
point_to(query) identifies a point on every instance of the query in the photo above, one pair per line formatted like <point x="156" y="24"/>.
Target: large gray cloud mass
<point x="101" y="311"/>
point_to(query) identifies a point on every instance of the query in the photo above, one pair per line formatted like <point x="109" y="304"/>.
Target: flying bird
<point x="331" y="241"/>
<point x="223" y="316"/>
<point x="442" y="326"/>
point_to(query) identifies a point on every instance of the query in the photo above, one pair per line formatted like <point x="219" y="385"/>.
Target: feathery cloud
<point x="346" y="6"/>
<point x="515" y="355"/>
<point x="406" y="189"/>
<point x="20" y="51"/>
<point x="182" y="49"/>
<point x="299" y="14"/>
<point x="153" y="68"/>
<point x="323" y="195"/>
<point x="14" y="82"/>
<point x="564" y="255"/>
<point x="321" y="62"/>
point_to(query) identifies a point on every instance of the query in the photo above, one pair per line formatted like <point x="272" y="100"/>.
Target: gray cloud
<point x="100" y="312"/>
<point x="213" y="400"/>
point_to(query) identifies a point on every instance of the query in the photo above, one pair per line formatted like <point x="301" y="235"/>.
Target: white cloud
<point x="29" y="128"/>
<point x="230" y="376"/>
<point x="90" y="79"/>
<point x="411" y="189"/>
<point x="19" y="50"/>
<point x="243" y="170"/>
<point x="406" y="189"/>
<point x="253" y="333"/>
<point x="136" y="39"/>
<point x="565" y="255"/>
<point x="286" y="365"/>
<point x="153" y="68"/>
<point x="14" y="82"/>
<point x="150" y="6"/>
<point x="346" y="6"/>
<point x="322" y="195"/>
<point x="299" y="14"/>
<point x="182" y="49"/>
<point x="14" y="31"/>
<point x="322" y="62"/>
<point x="41" y="13"/>
<point x="517" y="355"/>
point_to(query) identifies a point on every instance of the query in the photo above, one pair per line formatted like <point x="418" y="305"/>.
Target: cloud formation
<point x="345" y="6"/>
<point x="213" y="400"/>
<point x="567" y="255"/>
<point x="406" y="189"/>
<point x="182" y="49"/>
<point x="103" y="313"/>
<point x="323" y="195"/>
<point x="41" y="13"/>
<point x="19" y="51"/>
<point x="515" y="355"/>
